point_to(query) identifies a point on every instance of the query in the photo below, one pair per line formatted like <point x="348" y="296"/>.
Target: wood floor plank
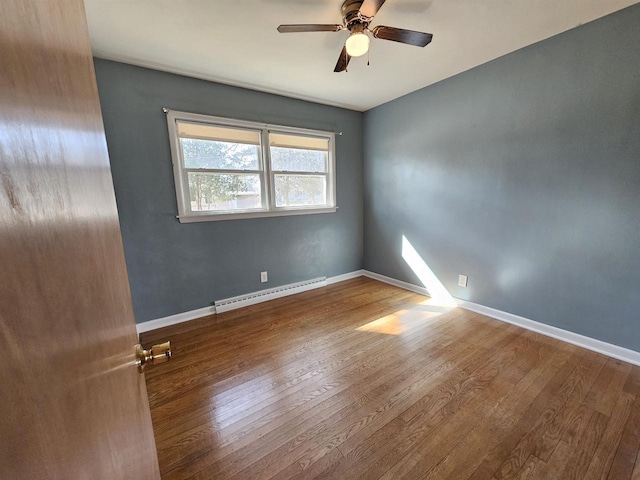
<point x="544" y="445"/>
<point x="426" y="420"/>
<point x="404" y="388"/>
<point x="605" y="453"/>
<point x="364" y="380"/>
<point x="632" y="385"/>
<point x="453" y="385"/>
<point x="426" y="340"/>
<point x="327" y="391"/>
<point x="578" y="461"/>
<point x="223" y="379"/>
<point x="324" y="468"/>
<point x="533" y="469"/>
<point x="457" y="383"/>
<point x="233" y="337"/>
<point x="627" y="452"/>
<point x="536" y="434"/>
<point x="218" y="394"/>
<point x="565" y="449"/>
<point x="636" y="470"/>
<point x="403" y="369"/>
<point x="485" y="433"/>
<point x="612" y="380"/>
<point x="433" y="450"/>
<point x="229" y="337"/>
<point x="510" y="439"/>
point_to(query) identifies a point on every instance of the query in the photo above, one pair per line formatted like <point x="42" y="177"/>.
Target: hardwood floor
<point x="362" y="380"/>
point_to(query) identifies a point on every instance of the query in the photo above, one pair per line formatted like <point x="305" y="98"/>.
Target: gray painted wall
<point x="523" y="173"/>
<point x="177" y="267"/>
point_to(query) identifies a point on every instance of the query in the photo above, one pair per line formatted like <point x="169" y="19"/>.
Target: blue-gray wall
<point x="177" y="267"/>
<point x="524" y="174"/>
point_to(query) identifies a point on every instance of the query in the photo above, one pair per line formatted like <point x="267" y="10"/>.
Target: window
<point x="227" y="169"/>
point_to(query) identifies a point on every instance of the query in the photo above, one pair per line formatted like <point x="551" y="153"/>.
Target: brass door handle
<point x="157" y="354"/>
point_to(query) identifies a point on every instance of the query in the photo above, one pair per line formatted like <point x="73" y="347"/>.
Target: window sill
<point x="216" y="217"/>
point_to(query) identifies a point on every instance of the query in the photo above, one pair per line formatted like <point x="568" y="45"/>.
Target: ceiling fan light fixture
<point x="356" y="18"/>
<point x="357" y="44"/>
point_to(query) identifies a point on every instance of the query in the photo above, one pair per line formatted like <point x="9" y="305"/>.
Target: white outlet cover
<point x="462" y="280"/>
<point x="263" y="277"/>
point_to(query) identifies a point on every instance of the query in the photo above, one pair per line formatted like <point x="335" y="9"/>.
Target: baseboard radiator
<point x="264" y="295"/>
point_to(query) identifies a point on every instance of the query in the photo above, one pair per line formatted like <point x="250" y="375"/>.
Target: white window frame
<point x="267" y="182"/>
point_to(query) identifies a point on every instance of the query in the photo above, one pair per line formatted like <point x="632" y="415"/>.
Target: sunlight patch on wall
<point x="436" y="289"/>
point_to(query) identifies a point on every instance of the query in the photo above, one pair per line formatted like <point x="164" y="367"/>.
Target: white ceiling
<point x="236" y="42"/>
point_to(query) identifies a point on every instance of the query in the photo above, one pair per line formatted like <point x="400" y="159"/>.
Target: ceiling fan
<point x="356" y="17"/>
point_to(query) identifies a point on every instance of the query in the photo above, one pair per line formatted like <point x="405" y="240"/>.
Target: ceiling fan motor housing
<point x="351" y="15"/>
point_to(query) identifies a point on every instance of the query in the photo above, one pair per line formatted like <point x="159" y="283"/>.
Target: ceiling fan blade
<point x="311" y="27"/>
<point x="343" y="61"/>
<point x="370" y="7"/>
<point x="410" y="37"/>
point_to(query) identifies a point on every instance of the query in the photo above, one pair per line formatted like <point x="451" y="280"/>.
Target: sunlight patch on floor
<point x="404" y="320"/>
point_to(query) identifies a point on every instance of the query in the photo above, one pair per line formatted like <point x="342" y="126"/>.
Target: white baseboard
<point x="261" y="296"/>
<point x="345" y="276"/>
<point x="621" y="353"/>
<point x="173" y="319"/>
<point x="624" y="354"/>
<point x="397" y="283"/>
<point x="589" y="343"/>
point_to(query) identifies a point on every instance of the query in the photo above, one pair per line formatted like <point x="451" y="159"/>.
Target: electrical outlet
<point x="462" y="280"/>
<point x="263" y="277"/>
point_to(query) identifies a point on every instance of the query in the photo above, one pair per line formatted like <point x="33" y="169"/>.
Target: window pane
<point x="297" y="160"/>
<point x="298" y="190"/>
<point x="214" y="154"/>
<point x="220" y="191"/>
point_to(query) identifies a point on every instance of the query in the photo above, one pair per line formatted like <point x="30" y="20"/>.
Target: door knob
<point x="157" y="354"/>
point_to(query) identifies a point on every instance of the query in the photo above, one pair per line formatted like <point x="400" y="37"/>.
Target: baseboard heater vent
<point x="270" y="294"/>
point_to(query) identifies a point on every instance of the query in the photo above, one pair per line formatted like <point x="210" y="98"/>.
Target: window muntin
<point x="227" y="169"/>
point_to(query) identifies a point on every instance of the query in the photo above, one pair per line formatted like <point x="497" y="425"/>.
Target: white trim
<point x="397" y="283"/>
<point x="614" y="351"/>
<point x="609" y="349"/>
<point x="208" y="217"/>
<point x="345" y="276"/>
<point x="589" y="343"/>
<point x="174" y="319"/>
<point x="260" y="296"/>
<point x="265" y="173"/>
<point x="203" y="312"/>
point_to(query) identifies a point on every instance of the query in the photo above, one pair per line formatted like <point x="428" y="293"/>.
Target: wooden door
<point x="72" y="403"/>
